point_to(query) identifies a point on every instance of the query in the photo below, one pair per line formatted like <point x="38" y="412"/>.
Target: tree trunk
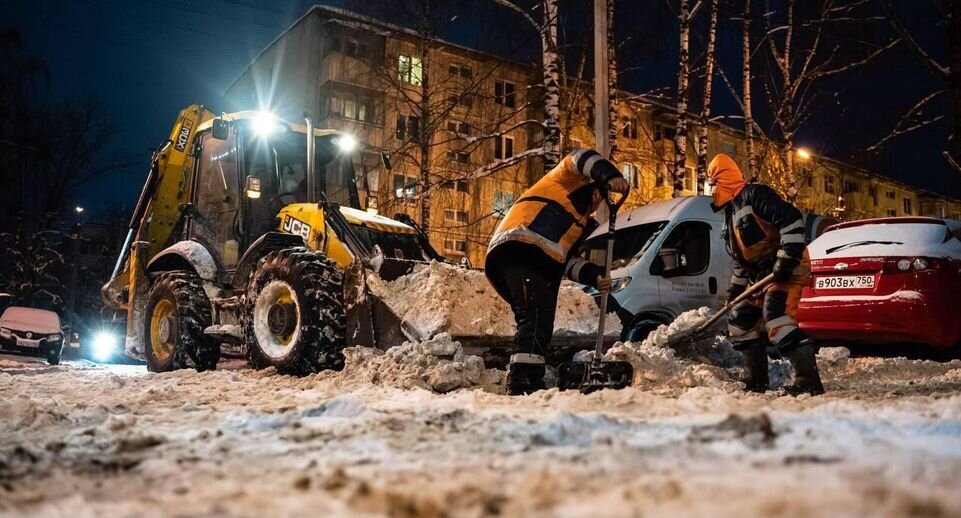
<point x="954" y="82"/>
<point x="702" y="140"/>
<point x="746" y="79"/>
<point x="552" y="90"/>
<point x="612" y="80"/>
<point x="426" y="129"/>
<point x="680" y="135"/>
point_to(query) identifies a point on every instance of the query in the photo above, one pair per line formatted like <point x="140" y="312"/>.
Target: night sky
<point x="149" y="58"/>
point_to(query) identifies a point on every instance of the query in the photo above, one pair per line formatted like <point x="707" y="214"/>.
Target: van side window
<point x="693" y="239"/>
<point x="628" y="242"/>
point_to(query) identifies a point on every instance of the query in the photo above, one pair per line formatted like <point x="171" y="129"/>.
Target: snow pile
<point x="438" y="365"/>
<point x="658" y="367"/>
<point x="443" y="298"/>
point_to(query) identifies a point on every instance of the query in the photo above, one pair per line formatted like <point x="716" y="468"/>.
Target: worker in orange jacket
<point x="534" y="247"/>
<point x="765" y="235"/>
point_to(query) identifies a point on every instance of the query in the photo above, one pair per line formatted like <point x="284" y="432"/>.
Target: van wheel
<point x="293" y="314"/>
<point x="640" y="329"/>
<point x="175" y="316"/>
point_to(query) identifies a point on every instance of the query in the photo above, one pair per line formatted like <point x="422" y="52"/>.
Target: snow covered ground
<point x="380" y="439"/>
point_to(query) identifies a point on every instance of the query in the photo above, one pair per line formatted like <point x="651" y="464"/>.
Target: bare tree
<point x="746" y="57"/>
<point x="702" y="140"/>
<point x="685" y="15"/>
<point x="803" y="50"/>
<point x="949" y="75"/>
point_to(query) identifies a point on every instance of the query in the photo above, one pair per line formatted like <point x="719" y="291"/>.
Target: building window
<point x="504" y="94"/>
<point x="460" y="157"/>
<point x="408" y="127"/>
<point x="351" y="107"/>
<point x="357" y="49"/>
<point x="631" y="174"/>
<point x="892" y="212"/>
<point x="851" y="186"/>
<point x="503" y="147"/>
<point x="460" y="128"/>
<point x="458" y="185"/>
<point x="829" y="185"/>
<point x="662" y="174"/>
<point x="809" y="181"/>
<point x="461" y="70"/>
<point x="688" y="179"/>
<point x="410" y="70"/>
<point x="455" y="245"/>
<point x="662" y="132"/>
<point x="730" y="148"/>
<point x="890" y="195"/>
<point x="405" y="187"/>
<point x="502" y="203"/>
<point x="455" y="216"/>
<point x="873" y="193"/>
<point x="630" y="129"/>
<point x="907" y="206"/>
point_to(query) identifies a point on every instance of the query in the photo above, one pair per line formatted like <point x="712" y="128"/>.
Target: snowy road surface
<point x="84" y="440"/>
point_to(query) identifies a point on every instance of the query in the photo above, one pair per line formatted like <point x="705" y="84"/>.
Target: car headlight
<point x="619" y="284"/>
<point x="53" y="337"/>
<point x="104" y="345"/>
<point x="4" y="332"/>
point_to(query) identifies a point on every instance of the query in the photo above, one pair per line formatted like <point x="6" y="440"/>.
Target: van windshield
<point x="628" y="242"/>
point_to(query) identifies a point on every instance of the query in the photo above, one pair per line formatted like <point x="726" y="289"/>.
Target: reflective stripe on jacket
<point x="554" y="214"/>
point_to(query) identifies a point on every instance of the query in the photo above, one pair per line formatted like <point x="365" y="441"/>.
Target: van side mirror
<point x="670" y="262"/>
<point x="219" y="129"/>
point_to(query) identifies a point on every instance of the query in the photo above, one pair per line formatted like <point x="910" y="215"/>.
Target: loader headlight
<point x="264" y="124"/>
<point x="104" y="345"/>
<point x="346" y="143"/>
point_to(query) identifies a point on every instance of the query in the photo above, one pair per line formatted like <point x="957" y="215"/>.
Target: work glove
<point x="618" y="184"/>
<point x="603" y="284"/>
<point x="784" y="268"/>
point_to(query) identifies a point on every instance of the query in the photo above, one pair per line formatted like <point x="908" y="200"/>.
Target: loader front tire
<point x="293" y="313"/>
<point x="175" y="316"/>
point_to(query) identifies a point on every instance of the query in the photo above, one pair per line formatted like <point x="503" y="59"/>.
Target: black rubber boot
<point x="755" y="368"/>
<point x="525" y="374"/>
<point x="807" y="380"/>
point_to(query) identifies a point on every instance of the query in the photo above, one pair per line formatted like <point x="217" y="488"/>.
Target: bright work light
<point x="264" y="123"/>
<point x="104" y="345"/>
<point x="346" y="143"/>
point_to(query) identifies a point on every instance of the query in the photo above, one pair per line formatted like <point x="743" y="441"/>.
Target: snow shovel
<point x="699" y="332"/>
<point x="597" y="374"/>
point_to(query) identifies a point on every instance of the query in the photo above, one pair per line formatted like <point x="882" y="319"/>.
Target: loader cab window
<point x="280" y="161"/>
<point x="217" y="196"/>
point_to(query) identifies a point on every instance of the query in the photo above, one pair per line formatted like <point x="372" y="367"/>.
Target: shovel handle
<point x="757" y="286"/>
<point x="612" y="207"/>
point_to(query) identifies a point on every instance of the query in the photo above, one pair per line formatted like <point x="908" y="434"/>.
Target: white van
<point x="669" y="258"/>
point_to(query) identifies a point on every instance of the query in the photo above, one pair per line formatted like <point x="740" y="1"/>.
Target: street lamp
<point x="78" y="209"/>
<point x="803" y="154"/>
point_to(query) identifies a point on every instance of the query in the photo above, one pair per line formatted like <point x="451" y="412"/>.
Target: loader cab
<point x="249" y="169"/>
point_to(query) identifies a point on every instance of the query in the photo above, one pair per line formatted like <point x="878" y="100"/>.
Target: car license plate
<point x="845" y="282"/>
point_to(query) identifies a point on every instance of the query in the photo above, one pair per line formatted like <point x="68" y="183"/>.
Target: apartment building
<point x="443" y="111"/>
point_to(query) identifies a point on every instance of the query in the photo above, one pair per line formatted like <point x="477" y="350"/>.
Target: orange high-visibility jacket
<point x="554" y="214"/>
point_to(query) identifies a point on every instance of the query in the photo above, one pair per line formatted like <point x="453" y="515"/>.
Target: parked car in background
<point x="886" y="281"/>
<point x="669" y="258"/>
<point x="32" y="331"/>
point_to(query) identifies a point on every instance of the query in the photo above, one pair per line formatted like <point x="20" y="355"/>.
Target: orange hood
<point x="727" y="178"/>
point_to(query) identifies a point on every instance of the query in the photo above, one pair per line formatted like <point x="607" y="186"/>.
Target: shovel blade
<point x="592" y="376"/>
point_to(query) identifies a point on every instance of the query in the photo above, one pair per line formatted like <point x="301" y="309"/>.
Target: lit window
<point x="405" y="186"/>
<point x="410" y="70"/>
<point x="502" y="203"/>
<point x="631" y="174"/>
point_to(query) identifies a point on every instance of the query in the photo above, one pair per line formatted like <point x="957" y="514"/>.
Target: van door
<point x="682" y="267"/>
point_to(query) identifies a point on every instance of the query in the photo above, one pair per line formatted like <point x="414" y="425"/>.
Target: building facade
<point x="443" y="112"/>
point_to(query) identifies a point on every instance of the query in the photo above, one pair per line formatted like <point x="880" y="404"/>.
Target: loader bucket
<point x="370" y="321"/>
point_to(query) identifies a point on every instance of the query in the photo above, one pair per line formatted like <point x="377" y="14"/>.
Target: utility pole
<point x="601" y="87"/>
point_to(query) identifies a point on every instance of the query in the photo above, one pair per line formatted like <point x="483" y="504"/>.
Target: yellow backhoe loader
<point x="249" y="233"/>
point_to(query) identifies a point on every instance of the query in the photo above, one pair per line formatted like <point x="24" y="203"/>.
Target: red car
<point x="887" y="280"/>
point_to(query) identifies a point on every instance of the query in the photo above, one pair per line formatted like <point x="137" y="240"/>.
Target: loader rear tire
<point x="293" y="314"/>
<point x="175" y="316"/>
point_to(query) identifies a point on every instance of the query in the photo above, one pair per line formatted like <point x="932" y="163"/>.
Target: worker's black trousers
<point x="529" y="281"/>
